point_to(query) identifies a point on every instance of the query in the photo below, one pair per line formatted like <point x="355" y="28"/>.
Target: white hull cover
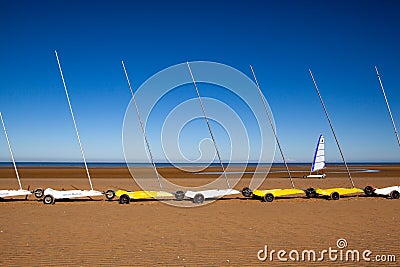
<point x="387" y="190"/>
<point x="212" y="193"/>
<point x="13" y="193"/>
<point x="71" y="193"/>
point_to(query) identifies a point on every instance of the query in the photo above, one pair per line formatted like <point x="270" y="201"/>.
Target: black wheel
<point x="395" y="194"/>
<point x="310" y="193"/>
<point x="48" y="199"/>
<point x="198" y="198"/>
<point x="124" y="199"/>
<point x="269" y="197"/>
<point x="368" y="190"/>
<point x="179" y="195"/>
<point x="110" y="194"/>
<point x="247" y="192"/>
<point x="304" y="176"/>
<point x="335" y="196"/>
<point x="323" y="176"/>
<point x="38" y="192"/>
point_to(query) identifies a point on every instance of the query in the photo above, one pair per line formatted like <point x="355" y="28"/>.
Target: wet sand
<point x="228" y="232"/>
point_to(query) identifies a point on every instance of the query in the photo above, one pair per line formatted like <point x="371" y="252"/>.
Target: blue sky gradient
<point x="340" y="41"/>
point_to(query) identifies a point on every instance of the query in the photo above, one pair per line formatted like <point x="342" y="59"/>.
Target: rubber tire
<point x="38" y="192"/>
<point x="179" y="195"/>
<point x="124" y="199"/>
<point x="369" y="191"/>
<point x="198" y="198"/>
<point x="304" y="176"/>
<point x="269" y="197"/>
<point x="310" y="193"/>
<point x="247" y="192"/>
<point x="335" y="196"/>
<point x="394" y="194"/>
<point x="323" y="176"/>
<point x="110" y="194"/>
<point x="48" y="199"/>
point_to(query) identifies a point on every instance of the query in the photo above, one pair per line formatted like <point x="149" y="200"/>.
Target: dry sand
<point x="228" y="232"/>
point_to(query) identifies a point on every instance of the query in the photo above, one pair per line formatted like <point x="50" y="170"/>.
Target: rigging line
<point x="142" y="126"/>
<point x="208" y="125"/>
<point x="333" y="131"/>
<point x="388" y="107"/>
<point x="73" y="119"/>
<point x="12" y="155"/>
<point x="272" y="126"/>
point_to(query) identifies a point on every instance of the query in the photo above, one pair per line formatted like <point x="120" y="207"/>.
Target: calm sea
<point x="123" y="164"/>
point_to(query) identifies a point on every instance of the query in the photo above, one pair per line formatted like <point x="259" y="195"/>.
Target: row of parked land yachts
<point x="49" y="196"/>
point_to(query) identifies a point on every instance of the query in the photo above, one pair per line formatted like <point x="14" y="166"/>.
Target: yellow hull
<point x="143" y="194"/>
<point x="341" y="191"/>
<point x="278" y="192"/>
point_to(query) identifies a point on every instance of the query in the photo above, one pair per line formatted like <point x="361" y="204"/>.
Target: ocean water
<point x="162" y="164"/>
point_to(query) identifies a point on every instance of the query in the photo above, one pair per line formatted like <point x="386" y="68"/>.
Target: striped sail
<point x="319" y="156"/>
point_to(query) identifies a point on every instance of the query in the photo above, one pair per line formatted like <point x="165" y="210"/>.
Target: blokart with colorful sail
<point x="318" y="165"/>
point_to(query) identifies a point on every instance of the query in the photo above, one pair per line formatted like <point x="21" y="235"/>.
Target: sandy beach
<point x="228" y="232"/>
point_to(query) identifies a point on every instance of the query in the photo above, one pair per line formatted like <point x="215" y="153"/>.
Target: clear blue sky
<point x="340" y="41"/>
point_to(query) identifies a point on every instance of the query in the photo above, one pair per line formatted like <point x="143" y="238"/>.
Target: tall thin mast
<point x="333" y="131"/>
<point x="272" y="125"/>
<point x="388" y="107"/>
<point x="9" y="147"/>
<point x="142" y="126"/>
<point x="73" y="119"/>
<point x="208" y="125"/>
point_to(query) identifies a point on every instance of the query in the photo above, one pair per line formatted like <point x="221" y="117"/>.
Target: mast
<point x="333" y="131"/>
<point x="272" y="125"/>
<point x="208" y="125"/>
<point x="12" y="155"/>
<point x="387" y="105"/>
<point x="142" y="127"/>
<point x="73" y="119"/>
